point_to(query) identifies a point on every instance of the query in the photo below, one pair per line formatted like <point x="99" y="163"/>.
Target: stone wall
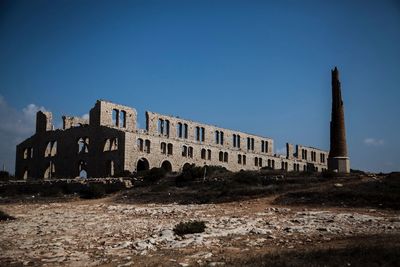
<point x="109" y="143"/>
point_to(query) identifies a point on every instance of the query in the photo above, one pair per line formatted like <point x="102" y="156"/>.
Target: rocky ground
<point x="109" y="233"/>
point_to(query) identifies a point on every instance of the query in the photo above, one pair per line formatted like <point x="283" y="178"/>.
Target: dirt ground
<point x="105" y="232"/>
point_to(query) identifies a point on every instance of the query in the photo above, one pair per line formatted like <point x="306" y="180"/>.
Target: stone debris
<point x="89" y="234"/>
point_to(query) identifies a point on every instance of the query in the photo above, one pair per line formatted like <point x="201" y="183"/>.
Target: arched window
<point x="114" y="144"/>
<point x="122" y="119"/>
<point x="107" y="145"/>
<point x="234" y="140"/>
<point x="260" y="162"/>
<point x="147" y="146"/>
<point x="197" y="133"/>
<point x="25" y="153"/>
<point x="184" y="151"/>
<point x="238" y="141"/>
<point x="163" y="148"/>
<point x="47" y="152"/>
<point x="115" y="117"/>
<point x="203" y="153"/>
<point x="170" y="149"/>
<point x="240" y="159"/>
<point x="83" y="145"/>
<point x="53" y="149"/>
<point x="26" y="174"/>
<point x="190" y="152"/>
<point x="244" y="160"/>
<point x="221" y="156"/>
<point x="139" y="144"/>
<point x="50" y="171"/>
<point x="209" y="154"/>
<point x="160" y="126"/>
<point x="226" y="157"/>
<point x="83" y="174"/>
<point x="82" y="169"/>
<point x="222" y="137"/>
<point x="273" y="164"/>
<point x="262" y="146"/>
<point x="217" y="137"/>
<point x="256" y="161"/>
<point x="269" y="163"/>
<point x="167" y="127"/>
<point x="202" y="134"/>
<point x="185" y="130"/>
<point x="179" y="130"/>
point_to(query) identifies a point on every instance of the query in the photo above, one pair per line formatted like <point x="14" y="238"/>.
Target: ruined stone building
<point x="109" y="143"/>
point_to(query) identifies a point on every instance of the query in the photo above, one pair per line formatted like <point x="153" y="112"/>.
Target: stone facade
<point x="109" y="143"/>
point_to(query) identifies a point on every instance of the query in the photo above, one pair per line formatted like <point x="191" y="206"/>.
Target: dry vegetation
<point x="264" y="218"/>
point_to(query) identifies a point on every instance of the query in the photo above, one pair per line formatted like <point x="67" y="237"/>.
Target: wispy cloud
<point x="374" y="142"/>
<point x="15" y="126"/>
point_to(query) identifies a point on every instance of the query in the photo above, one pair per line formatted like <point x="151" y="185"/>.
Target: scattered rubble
<point x="94" y="233"/>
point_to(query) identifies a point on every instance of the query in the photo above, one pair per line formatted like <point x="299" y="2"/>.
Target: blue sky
<point x="256" y="66"/>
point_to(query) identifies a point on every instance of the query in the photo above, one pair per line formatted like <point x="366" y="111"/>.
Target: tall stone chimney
<point x="338" y="159"/>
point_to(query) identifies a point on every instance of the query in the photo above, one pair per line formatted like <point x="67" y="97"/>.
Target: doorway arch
<point x="142" y="165"/>
<point x="166" y="165"/>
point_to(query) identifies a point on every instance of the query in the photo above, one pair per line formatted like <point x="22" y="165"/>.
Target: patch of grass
<point x="5" y="217"/>
<point x="153" y="175"/>
<point x="192" y="227"/>
<point x="366" y="192"/>
<point x="359" y="254"/>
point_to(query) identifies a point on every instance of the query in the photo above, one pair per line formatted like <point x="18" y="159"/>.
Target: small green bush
<point x="154" y="175"/>
<point x="210" y="170"/>
<point x="52" y="191"/>
<point x="184" y="228"/>
<point x="5" y="217"/>
<point x="248" y="178"/>
<point x="189" y="174"/>
<point x="4" y="176"/>
<point x="93" y="191"/>
<point x="192" y="173"/>
<point x="329" y="174"/>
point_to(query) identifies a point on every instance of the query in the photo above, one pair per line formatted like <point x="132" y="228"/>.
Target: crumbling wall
<point x="69" y="122"/>
<point x="110" y="144"/>
<point x="113" y="115"/>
